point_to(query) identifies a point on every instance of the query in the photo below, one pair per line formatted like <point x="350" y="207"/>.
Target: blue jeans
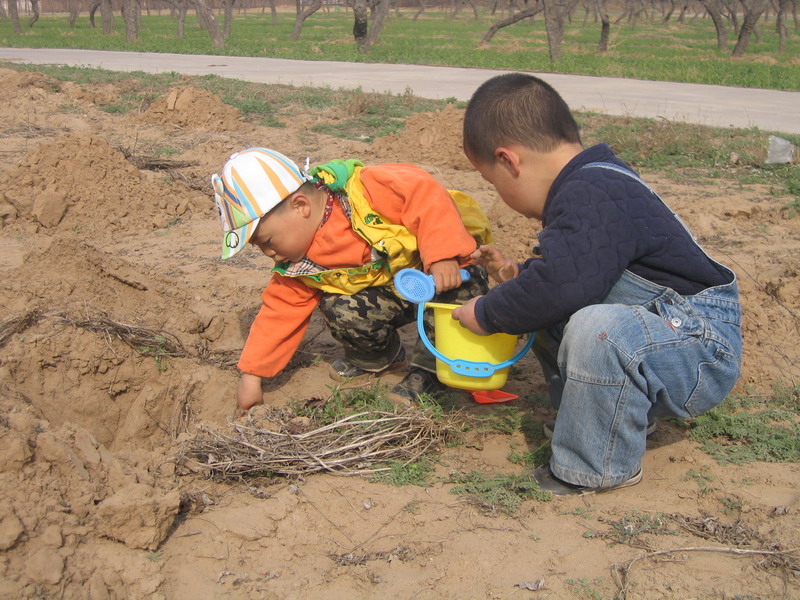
<point x="645" y="352"/>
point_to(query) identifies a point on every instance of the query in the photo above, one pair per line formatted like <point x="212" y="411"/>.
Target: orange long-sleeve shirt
<point x="403" y="194"/>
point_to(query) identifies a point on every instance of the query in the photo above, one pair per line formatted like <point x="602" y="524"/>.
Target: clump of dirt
<point x="60" y="486"/>
<point x="195" y="108"/>
<point x="82" y="182"/>
<point x="432" y="138"/>
<point x="23" y="84"/>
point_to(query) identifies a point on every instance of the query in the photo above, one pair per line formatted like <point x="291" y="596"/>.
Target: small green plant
<point x="114" y="108"/>
<point x="580" y="511"/>
<point x="344" y="402"/>
<point x="162" y="364"/>
<point x="744" y="429"/>
<point x="409" y="473"/>
<point x="730" y="505"/>
<point x="630" y="527"/>
<point x="701" y="477"/>
<point x="532" y="458"/>
<point x="583" y="588"/>
<point x="155" y="556"/>
<point x="505" y="493"/>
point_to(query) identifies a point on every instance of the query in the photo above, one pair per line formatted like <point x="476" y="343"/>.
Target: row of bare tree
<point x="370" y="16"/>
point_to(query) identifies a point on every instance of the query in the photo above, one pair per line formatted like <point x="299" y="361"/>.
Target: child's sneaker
<point x="558" y="487"/>
<point x="416" y="383"/>
<point x="343" y="370"/>
<point x="549" y="426"/>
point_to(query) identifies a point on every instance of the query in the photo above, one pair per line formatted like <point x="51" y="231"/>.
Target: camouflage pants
<point x="366" y="323"/>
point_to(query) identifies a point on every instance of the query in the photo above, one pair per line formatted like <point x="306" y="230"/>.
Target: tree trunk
<point x="712" y="7"/>
<point x="510" y="21"/>
<point x="422" y="9"/>
<point x="780" y="24"/>
<point x="206" y="16"/>
<point x="668" y="14"/>
<point x="228" y="22"/>
<point x="752" y="11"/>
<point x="731" y="15"/>
<point x="35" y="16"/>
<point x="129" y="8"/>
<point x="74" y="12"/>
<point x="605" y="27"/>
<point x="360" y="22"/>
<point x="3" y="13"/>
<point x="92" y="10"/>
<point x="554" y="11"/>
<point x="183" y="8"/>
<point x="381" y="12"/>
<point x="13" y="13"/>
<point x="302" y="15"/>
<point x="274" y="10"/>
<point x="107" y="16"/>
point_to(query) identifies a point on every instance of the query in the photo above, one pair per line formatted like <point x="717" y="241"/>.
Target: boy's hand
<point x="499" y="267"/>
<point x="446" y="275"/>
<point x="466" y="316"/>
<point x="248" y="392"/>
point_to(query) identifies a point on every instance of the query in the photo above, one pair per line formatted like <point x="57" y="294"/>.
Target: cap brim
<point x="236" y="239"/>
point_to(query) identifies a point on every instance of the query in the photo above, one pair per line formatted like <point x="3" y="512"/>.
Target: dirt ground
<point x="93" y="506"/>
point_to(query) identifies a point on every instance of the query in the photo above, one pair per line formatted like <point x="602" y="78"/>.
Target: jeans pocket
<point x="716" y="377"/>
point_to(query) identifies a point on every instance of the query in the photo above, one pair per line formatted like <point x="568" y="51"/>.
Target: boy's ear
<point x="301" y="203"/>
<point x="508" y="159"/>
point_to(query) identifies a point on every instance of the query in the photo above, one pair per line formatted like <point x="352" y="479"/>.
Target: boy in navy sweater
<point x="633" y="320"/>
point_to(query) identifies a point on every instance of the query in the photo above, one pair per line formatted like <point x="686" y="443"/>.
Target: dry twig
<point x="18" y="324"/>
<point x="620" y="572"/>
<point x="148" y="341"/>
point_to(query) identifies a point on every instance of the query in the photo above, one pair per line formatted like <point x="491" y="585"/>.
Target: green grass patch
<point x="692" y="151"/>
<point x="631" y="527"/>
<point x="346" y="402"/>
<point x="643" y="50"/>
<point x="504" y="493"/>
<point x="744" y="429"/>
<point x="412" y="473"/>
<point x="532" y="458"/>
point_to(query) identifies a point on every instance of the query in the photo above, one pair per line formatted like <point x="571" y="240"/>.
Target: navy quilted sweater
<point x="596" y="223"/>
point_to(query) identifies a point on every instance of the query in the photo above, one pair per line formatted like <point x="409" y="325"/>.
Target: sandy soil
<point x="94" y="506"/>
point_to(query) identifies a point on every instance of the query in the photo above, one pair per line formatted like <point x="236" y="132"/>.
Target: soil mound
<point x="433" y="138"/>
<point x="81" y="182"/>
<point x="27" y="84"/>
<point x="193" y="108"/>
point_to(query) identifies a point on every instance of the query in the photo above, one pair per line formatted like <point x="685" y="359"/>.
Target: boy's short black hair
<point x="516" y="108"/>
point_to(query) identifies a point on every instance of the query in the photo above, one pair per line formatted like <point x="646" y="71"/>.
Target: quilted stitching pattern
<point x="597" y="223"/>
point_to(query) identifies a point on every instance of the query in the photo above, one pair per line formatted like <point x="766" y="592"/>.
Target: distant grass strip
<point x="684" y="52"/>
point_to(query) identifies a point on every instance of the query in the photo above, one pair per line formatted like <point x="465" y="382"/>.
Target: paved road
<point x="768" y="110"/>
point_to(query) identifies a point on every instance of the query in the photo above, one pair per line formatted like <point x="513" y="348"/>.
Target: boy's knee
<point x="596" y="321"/>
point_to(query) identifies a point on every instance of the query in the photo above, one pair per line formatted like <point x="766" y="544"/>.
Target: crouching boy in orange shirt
<point x="338" y="235"/>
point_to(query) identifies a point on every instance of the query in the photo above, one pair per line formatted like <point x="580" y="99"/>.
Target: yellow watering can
<point x="483" y="360"/>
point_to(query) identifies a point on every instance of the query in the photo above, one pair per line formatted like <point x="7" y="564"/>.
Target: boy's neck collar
<point x="326" y="213"/>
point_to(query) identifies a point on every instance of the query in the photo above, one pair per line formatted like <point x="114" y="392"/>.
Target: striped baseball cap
<point x="252" y="183"/>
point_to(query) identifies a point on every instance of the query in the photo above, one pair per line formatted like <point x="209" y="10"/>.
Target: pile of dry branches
<point x="148" y="341"/>
<point x="360" y="443"/>
<point x="19" y="323"/>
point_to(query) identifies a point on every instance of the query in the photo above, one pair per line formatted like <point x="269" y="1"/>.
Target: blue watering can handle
<point x="466" y="367"/>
